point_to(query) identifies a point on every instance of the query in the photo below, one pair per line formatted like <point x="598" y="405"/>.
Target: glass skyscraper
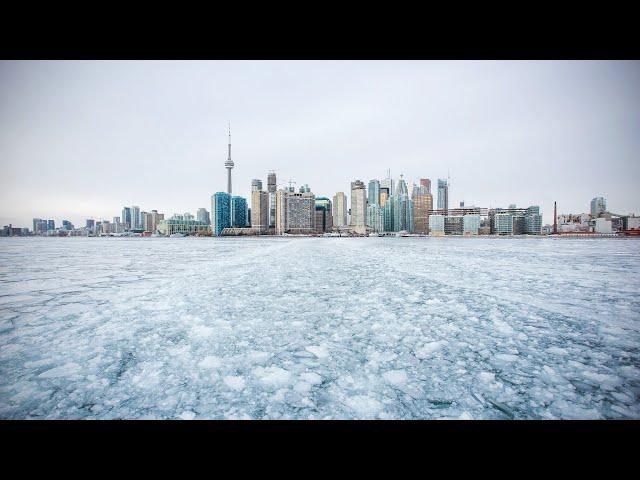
<point x="373" y="196"/>
<point x="238" y="212"/>
<point x="443" y="195"/>
<point x="220" y="212"/>
<point x="126" y="217"/>
<point x="388" y="214"/>
<point x="598" y="206"/>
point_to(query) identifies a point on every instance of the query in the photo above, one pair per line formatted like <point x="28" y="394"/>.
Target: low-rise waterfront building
<point x="186" y="227"/>
<point x="436" y="225"/>
<point x="470" y="224"/>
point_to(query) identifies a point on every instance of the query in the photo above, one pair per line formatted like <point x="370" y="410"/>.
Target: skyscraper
<point x="425" y="182"/>
<point x="375" y="217"/>
<point x="300" y="217"/>
<point x="374" y="192"/>
<point x="340" y="210"/>
<point x="271" y="189"/>
<point x="384" y="194"/>
<point x="400" y="211"/>
<point x="598" y="206"/>
<point x="136" y="223"/>
<point x="126" y="217"/>
<point x="281" y="211"/>
<point x="388" y="184"/>
<point x="238" y="212"/>
<point x="443" y="195"/>
<point x="388" y="214"/>
<point x="324" y="221"/>
<point x="358" y="206"/>
<point x="271" y="181"/>
<point x="220" y="212"/>
<point x="153" y="219"/>
<point x="402" y="187"/>
<point x="422" y="203"/>
<point x="256" y="184"/>
<point x="51" y="225"/>
<point x="203" y="216"/>
<point x="229" y="164"/>
<point x="260" y="211"/>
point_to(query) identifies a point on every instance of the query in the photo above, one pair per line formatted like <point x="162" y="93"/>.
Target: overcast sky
<point x="82" y="139"/>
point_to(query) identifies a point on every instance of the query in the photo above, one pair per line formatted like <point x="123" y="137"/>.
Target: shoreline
<point x="572" y="236"/>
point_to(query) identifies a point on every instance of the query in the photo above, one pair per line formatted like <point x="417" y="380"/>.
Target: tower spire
<point x="229" y="163"/>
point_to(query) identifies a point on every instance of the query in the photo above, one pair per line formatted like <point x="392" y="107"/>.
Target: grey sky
<point x="82" y="139"/>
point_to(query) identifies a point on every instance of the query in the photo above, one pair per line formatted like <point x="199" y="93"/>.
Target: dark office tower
<point x="271" y="182"/>
<point x="90" y="224"/>
<point x="555" y="218"/>
<point x="425" y="182"/>
<point x="51" y="225"/>
<point x="126" y="217"/>
<point x="271" y="190"/>
<point x="67" y="225"/>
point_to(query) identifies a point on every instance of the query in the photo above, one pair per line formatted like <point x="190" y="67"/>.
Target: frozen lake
<point x="536" y="328"/>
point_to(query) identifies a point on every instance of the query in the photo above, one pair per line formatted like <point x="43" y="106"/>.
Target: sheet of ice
<point x="319" y="328"/>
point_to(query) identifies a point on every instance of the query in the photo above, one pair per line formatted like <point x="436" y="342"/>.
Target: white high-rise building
<point x="136" y="221"/>
<point x="358" y="207"/>
<point x="340" y="210"/>
<point x="388" y="184"/>
<point x="295" y="212"/>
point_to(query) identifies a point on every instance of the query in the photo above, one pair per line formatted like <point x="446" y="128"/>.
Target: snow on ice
<point x="315" y="328"/>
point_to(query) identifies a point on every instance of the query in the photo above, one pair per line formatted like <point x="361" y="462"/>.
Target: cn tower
<point x="229" y="164"/>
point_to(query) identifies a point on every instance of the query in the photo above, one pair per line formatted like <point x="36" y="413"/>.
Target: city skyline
<point x="66" y="157"/>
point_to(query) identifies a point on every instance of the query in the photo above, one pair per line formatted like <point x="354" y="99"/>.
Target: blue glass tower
<point x="238" y="211"/>
<point x="374" y="192"/>
<point x="220" y="212"/>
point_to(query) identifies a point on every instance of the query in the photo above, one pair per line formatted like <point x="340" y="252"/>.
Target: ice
<point x="428" y="348"/>
<point x="395" y="377"/>
<point x="315" y="328"/>
<point x="67" y="370"/>
<point x="319" y="351"/>
<point x="234" y="383"/>
<point x="272" y="377"/>
<point x="210" y="361"/>
<point x="364" y="407"/>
